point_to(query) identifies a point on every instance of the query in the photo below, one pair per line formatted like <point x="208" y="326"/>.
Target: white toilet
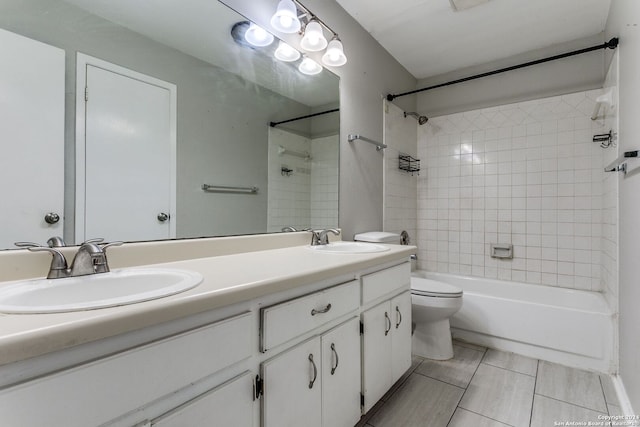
<point x="432" y="302"/>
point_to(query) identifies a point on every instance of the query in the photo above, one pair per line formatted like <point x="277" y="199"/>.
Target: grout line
<point x="533" y="398"/>
<point x="484" y="353"/>
<point x="606" y="403"/>
<point x="510" y="370"/>
<point x="441" y="381"/>
<point x="573" y="404"/>
<point x="484" y="416"/>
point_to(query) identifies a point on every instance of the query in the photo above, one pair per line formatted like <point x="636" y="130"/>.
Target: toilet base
<point x="432" y="340"/>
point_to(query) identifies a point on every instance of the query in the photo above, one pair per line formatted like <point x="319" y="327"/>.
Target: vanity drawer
<point x="384" y="282"/>
<point x="287" y="320"/>
<point x="97" y="392"/>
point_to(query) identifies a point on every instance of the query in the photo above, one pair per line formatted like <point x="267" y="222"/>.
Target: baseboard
<point x="623" y="398"/>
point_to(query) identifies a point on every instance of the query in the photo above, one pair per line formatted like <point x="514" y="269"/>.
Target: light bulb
<point x="309" y="67"/>
<point x="286" y="53"/>
<point x="258" y="36"/>
<point x="334" y="56"/>
<point x="286" y="19"/>
<point x="313" y="39"/>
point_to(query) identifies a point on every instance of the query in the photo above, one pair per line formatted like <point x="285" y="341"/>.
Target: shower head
<point x="421" y="119"/>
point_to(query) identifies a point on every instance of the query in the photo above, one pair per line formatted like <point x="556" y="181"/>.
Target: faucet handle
<point x="96" y="240"/>
<point x="58" y="263"/>
<point x="28" y="245"/>
<point x="104" y="246"/>
<point x="56" y="242"/>
<point x="324" y="238"/>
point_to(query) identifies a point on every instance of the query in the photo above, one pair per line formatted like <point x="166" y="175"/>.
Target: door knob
<point x="51" y="218"/>
<point x="162" y="217"/>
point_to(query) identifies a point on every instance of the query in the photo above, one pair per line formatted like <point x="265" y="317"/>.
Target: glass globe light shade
<point x="258" y="36"/>
<point x="309" y="67"/>
<point x="334" y="56"/>
<point x="286" y="53"/>
<point x="286" y="19"/>
<point x="313" y="39"/>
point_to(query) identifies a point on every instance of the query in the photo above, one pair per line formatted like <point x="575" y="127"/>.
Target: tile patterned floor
<point x="483" y="387"/>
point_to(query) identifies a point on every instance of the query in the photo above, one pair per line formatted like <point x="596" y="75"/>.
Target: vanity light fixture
<point x="286" y="53"/>
<point x="258" y="36"/>
<point x="309" y="67"/>
<point x="286" y="18"/>
<point x="313" y="39"/>
<point x="334" y="56"/>
<point x="292" y="14"/>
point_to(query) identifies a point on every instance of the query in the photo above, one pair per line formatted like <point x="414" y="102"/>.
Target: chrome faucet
<point x="91" y="258"/>
<point x="320" y="237"/>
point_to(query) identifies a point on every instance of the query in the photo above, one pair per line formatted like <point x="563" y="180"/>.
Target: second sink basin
<point x="118" y="287"/>
<point x="349" y="248"/>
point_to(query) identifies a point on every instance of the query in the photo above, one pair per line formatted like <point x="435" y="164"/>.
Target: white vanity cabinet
<point x="386" y="339"/>
<point x="316" y="383"/>
<point x="101" y="391"/>
<point x="316" y="355"/>
<point x="341" y="378"/>
<point x="229" y="404"/>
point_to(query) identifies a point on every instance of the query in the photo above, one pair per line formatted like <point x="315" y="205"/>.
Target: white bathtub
<point x="565" y="326"/>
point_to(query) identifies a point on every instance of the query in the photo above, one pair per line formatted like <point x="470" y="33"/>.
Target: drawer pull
<point x="398" y="316"/>
<point x="333" y="349"/>
<point x="386" y="317"/>
<point x="315" y="371"/>
<point x="324" y="310"/>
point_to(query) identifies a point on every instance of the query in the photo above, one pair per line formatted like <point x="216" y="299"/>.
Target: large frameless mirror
<point x="134" y="120"/>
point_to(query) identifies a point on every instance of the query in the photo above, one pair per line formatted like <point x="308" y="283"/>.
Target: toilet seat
<point x="434" y="288"/>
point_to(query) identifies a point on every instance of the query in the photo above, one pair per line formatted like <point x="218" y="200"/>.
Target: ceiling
<point x="428" y="37"/>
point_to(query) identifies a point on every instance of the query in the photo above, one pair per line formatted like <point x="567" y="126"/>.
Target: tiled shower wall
<point x="324" y="181"/>
<point x="308" y="196"/>
<point x="526" y="174"/>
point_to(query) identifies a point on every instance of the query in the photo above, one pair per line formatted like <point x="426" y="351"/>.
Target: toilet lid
<point x="434" y="288"/>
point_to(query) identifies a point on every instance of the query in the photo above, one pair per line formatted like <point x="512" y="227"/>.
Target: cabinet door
<point x="401" y="335"/>
<point x="376" y="353"/>
<point x="292" y="387"/>
<point x="341" y="375"/>
<point x="230" y="404"/>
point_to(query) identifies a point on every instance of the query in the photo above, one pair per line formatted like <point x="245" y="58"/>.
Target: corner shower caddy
<point x="409" y="164"/>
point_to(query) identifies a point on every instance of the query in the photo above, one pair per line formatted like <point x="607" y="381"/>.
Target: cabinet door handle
<point x="388" y="320"/>
<point x="333" y="349"/>
<point x="323" y="310"/>
<point x="398" y="316"/>
<point x="315" y="371"/>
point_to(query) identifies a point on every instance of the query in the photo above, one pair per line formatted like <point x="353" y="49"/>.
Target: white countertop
<point x="228" y="279"/>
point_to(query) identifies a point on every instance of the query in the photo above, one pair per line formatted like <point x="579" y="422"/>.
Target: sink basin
<point x="118" y="287"/>
<point x="349" y="248"/>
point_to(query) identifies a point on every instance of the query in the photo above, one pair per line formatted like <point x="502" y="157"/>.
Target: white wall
<point x="609" y="259"/>
<point x="526" y="174"/>
<point x="574" y="74"/>
<point x="369" y="75"/>
<point x="400" y="187"/>
<point x="624" y="21"/>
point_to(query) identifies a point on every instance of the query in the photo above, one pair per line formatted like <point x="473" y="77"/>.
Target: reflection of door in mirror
<point x="32" y="123"/>
<point x="126" y="154"/>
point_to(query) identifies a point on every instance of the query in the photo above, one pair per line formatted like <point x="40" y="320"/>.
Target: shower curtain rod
<point x="274" y="124"/>
<point x="611" y="44"/>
